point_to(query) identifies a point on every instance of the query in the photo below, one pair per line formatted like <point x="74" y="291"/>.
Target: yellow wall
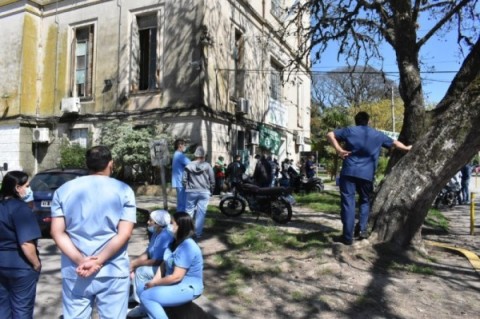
<point x="28" y="95"/>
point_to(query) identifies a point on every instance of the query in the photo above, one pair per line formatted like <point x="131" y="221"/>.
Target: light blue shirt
<point x="178" y="165"/>
<point x="187" y="256"/>
<point x="93" y="206"/>
<point x="159" y="242"/>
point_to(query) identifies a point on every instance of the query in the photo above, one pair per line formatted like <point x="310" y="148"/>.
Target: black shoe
<point x="356" y="231"/>
<point x="342" y="240"/>
<point x="363" y="235"/>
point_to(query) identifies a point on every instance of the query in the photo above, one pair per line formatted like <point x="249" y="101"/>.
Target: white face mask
<point x="28" y="197"/>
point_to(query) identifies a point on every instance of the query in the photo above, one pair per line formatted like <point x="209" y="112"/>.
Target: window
<point x="145" y="54"/>
<point x="79" y="136"/>
<point x="82" y="62"/>
<point x="276" y="82"/>
<point x="276" y="8"/>
<point x="239" y="58"/>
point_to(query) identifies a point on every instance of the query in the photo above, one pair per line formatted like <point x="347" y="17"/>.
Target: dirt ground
<point x="337" y="281"/>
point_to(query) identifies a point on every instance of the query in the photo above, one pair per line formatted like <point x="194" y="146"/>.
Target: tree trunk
<point x="453" y="138"/>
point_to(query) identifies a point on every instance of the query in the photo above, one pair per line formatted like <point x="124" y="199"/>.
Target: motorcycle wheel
<point x="319" y="188"/>
<point x="232" y="206"/>
<point x="281" y="211"/>
<point x="450" y="199"/>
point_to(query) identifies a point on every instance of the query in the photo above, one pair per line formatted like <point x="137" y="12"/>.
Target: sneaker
<point x="342" y="240"/>
<point x="363" y="235"/>
<point x="137" y="312"/>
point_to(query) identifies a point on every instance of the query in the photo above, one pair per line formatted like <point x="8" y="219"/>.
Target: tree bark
<point x="452" y="139"/>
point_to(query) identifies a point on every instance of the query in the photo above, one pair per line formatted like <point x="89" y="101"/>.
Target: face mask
<point x="152" y="228"/>
<point x="28" y="197"/>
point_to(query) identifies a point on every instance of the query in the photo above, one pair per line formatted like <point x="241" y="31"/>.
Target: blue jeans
<point x="181" y="199"/>
<point x="348" y="186"/>
<point x="197" y="203"/>
<point x="17" y="292"/>
<point x="465" y="191"/>
<point x="110" y="294"/>
<point x="154" y="299"/>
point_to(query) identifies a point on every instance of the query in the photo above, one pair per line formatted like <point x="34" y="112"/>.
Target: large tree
<point x="443" y="139"/>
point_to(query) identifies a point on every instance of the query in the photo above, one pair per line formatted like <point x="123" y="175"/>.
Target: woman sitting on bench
<point x="180" y="279"/>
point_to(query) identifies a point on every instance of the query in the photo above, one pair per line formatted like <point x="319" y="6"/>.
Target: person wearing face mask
<point x="144" y="267"/>
<point x="180" y="278"/>
<point x="19" y="268"/>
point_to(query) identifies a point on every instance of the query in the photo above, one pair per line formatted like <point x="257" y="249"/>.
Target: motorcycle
<point x="449" y="195"/>
<point x="276" y="202"/>
<point x="301" y="184"/>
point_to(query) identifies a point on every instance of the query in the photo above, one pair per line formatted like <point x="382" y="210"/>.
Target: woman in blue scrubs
<point x="180" y="279"/>
<point x="19" y="260"/>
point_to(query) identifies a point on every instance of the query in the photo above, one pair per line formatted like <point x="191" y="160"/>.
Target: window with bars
<point x="276" y="8"/>
<point x="82" y="62"/>
<point x="275" y="81"/>
<point x="79" y="136"/>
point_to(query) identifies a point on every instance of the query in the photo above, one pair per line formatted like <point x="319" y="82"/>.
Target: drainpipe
<point x="119" y="5"/>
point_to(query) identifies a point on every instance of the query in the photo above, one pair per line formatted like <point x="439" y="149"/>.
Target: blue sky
<point x="440" y="54"/>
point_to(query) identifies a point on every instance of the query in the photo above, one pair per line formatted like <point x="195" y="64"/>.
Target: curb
<point x="471" y="256"/>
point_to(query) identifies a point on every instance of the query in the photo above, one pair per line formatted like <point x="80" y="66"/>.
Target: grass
<point x="436" y="219"/>
<point x="327" y="201"/>
<point x="413" y="268"/>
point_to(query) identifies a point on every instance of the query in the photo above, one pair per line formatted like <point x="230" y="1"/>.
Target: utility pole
<point x="393" y="113"/>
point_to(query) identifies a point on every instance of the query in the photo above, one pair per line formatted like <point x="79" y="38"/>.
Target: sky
<point x="439" y="54"/>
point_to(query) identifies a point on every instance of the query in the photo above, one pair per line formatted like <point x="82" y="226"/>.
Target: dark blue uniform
<point x="18" y="279"/>
<point x="358" y="170"/>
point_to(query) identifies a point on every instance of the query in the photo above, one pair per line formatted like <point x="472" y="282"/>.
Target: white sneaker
<point x="137" y="312"/>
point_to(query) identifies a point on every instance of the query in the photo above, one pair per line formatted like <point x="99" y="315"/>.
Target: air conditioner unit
<point x="299" y="140"/>
<point x="243" y="106"/>
<point x="41" y="135"/>
<point x="254" y="137"/>
<point x="71" y="105"/>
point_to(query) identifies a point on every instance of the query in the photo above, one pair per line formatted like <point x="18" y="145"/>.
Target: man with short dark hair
<point x="92" y="220"/>
<point x="235" y="170"/>
<point x="360" y="158"/>
<point x="179" y="162"/>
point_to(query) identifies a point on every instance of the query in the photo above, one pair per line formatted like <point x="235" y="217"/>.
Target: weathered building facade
<point x="216" y="71"/>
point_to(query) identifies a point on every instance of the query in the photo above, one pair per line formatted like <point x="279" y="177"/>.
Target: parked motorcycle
<point x="301" y="184"/>
<point x="276" y="202"/>
<point x="449" y="195"/>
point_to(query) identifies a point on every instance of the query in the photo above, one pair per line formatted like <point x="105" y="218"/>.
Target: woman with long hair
<point x="180" y="279"/>
<point x="19" y="260"/>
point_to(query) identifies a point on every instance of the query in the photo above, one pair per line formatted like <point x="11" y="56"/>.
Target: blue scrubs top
<point x="18" y="225"/>
<point x="365" y="143"/>
<point x="187" y="256"/>
<point x="179" y="162"/>
<point x="158" y="244"/>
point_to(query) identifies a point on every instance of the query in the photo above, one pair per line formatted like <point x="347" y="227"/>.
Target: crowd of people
<point x="95" y="267"/>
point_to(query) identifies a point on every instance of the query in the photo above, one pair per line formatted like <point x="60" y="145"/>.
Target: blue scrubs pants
<point x="17" y="292"/>
<point x="110" y="294"/>
<point x="181" y="199"/>
<point x="349" y="185"/>
<point x="154" y="299"/>
<point x="197" y="204"/>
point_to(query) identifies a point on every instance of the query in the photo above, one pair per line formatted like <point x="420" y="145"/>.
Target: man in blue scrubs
<point x="361" y="149"/>
<point x="92" y="220"/>
<point x="179" y="162"/>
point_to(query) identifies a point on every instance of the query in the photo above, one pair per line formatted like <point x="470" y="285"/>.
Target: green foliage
<point x="437" y="220"/>
<point x="327" y="202"/>
<point x="130" y="149"/>
<point x="72" y="155"/>
<point x="382" y="165"/>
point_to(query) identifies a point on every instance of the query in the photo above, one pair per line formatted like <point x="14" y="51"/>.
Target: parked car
<point x="43" y="185"/>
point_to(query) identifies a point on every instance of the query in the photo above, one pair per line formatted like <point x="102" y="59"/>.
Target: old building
<point x="217" y="71"/>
